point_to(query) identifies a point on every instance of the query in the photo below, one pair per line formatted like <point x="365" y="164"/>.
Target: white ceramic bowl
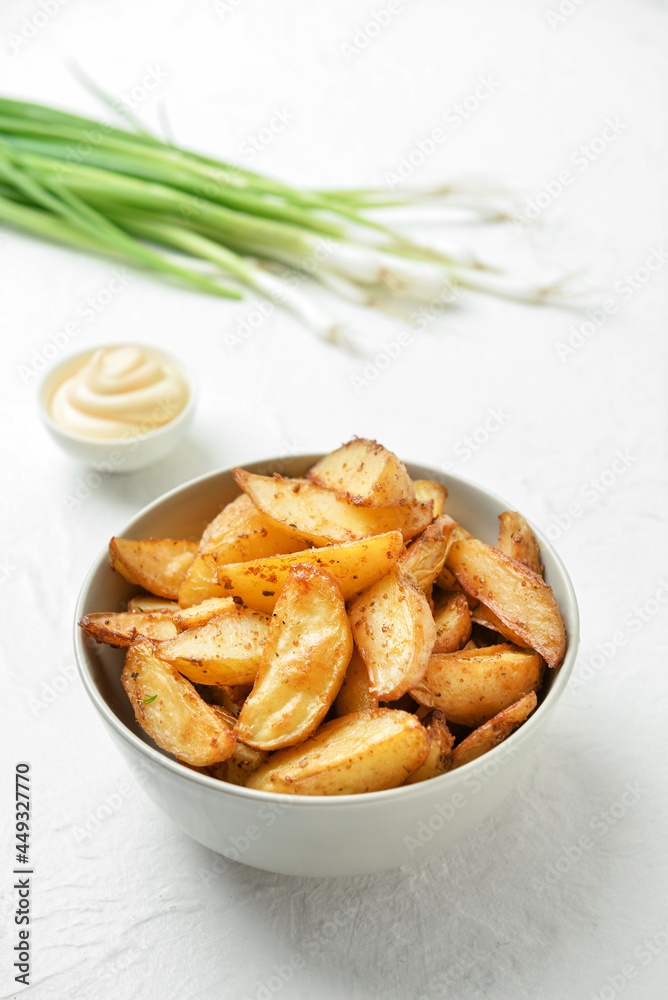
<point x="125" y="454"/>
<point x="304" y="835"/>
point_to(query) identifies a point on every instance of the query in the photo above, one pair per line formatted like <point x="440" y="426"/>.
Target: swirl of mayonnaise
<point x="119" y="392"/>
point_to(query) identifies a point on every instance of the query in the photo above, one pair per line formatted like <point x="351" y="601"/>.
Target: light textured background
<point x="123" y="906"/>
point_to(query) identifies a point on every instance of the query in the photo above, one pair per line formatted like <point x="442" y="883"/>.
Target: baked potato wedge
<point x="225" y="650"/>
<point x="123" y="627"/>
<point x="364" y="752"/>
<point x="156" y="564"/>
<point x="472" y="686"/>
<point x="200" y="582"/>
<point x="493" y="732"/>
<point x="355" y="694"/>
<point x="424" y="558"/>
<point x="517" y="540"/>
<point x="304" y="662"/>
<point x="453" y="621"/>
<point x="200" y="614"/>
<point x="520" y="598"/>
<point x="365" y="473"/>
<point x="151" y="605"/>
<point x="440" y="747"/>
<point x="324" y="517"/>
<point x="171" y="712"/>
<point x="428" y="489"/>
<point x="241" y="532"/>
<point x="354" y="565"/>
<point x="394" y="632"/>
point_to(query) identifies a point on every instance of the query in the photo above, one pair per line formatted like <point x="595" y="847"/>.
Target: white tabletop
<point x="562" y="891"/>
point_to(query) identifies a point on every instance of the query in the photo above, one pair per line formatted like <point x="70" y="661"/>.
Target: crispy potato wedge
<point x="323" y="517"/>
<point x="453" y="621"/>
<point x="440" y="747"/>
<point x="394" y="632"/>
<point x="424" y="558"/>
<point x="304" y="662"/>
<point x="354" y="566"/>
<point x="156" y="564"/>
<point x="200" y="582"/>
<point x="355" y="694"/>
<point x="517" y="540"/>
<point x="518" y="597"/>
<point x="170" y="711"/>
<point x="472" y="686"/>
<point x="228" y="696"/>
<point x="152" y="605"/>
<point x="428" y="489"/>
<point x="241" y="532"/>
<point x="480" y="615"/>
<point x="238" y="768"/>
<point x="200" y="614"/>
<point x="364" y="752"/>
<point x="226" y="650"/>
<point x="366" y="473"/>
<point x="491" y="733"/>
<point x="123" y="627"/>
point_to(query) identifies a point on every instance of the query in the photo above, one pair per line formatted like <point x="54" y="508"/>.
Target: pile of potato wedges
<point x="335" y="634"/>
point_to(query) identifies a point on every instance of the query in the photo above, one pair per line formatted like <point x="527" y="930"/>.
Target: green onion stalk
<point x="216" y="227"/>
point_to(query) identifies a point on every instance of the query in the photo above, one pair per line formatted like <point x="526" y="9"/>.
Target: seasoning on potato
<point x="323" y="634"/>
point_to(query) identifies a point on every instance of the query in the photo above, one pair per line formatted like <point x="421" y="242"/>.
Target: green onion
<point x="127" y="194"/>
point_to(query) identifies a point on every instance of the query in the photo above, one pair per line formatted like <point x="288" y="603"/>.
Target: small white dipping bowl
<point x="125" y="454"/>
<point x="309" y="835"/>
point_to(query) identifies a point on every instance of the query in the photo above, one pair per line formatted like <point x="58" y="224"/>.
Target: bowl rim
<point x="511" y="745"/>
<point x="49" y="381"/>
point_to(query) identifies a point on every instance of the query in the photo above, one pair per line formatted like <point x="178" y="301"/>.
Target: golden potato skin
<point x="493" y="732"/>
<point x="241" y="532"/>
<point x="426" y="490"/>
<point x="440" y="748"/>
<point x="226" y="650"/>
<point x="304" y="661"/>
<point x="323" y="517"/>
<point x="473" y="685"/>
<point x="517" y="596"/>
<point x="517" y="540"/>
<point x="355" y="694"/>
<point x="354" y="565"/>
<point x="200" y="614"/>
<point x="151" y="605"/>
<point x="171" y="712"/>
<point x="363" y="752"/>
<point x="123" y="627"/>
<point x="424" y="558"/>
<point x="156" y="564"/>
<point x="366" y="473"/>
<point x="394" y="632"/>
<point x="453" y="621"/>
